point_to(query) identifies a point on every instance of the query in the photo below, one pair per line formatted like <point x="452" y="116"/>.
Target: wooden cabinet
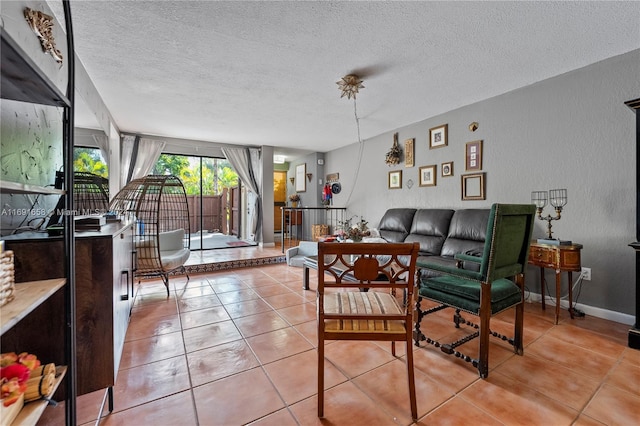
<point x="104" y="285"/>
<point x="104" y="273"/>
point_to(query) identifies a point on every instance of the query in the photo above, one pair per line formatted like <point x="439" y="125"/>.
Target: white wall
<point x="572" y="131"/>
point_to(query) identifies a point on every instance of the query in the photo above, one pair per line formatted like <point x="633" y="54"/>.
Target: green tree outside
<point x="217" y="174"/>
<point x="89" y="160"/>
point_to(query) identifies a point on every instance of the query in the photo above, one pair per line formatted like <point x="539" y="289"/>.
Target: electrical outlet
<point x="586" y="274"/>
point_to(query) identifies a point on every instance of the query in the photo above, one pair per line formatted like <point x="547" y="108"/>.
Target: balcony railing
<point x="309" y="223"/>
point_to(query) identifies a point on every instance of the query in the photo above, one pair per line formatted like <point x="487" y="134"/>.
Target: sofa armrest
<point x="293" y="251"/>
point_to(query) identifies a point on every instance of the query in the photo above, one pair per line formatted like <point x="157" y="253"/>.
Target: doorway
<point x="279" y="198"/>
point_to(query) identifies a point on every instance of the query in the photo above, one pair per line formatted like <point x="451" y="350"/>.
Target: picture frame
<point x="428" y="175"/>
<point x="438" y="136"/>
<point x="446" y="169"/>
<point x="408" y="152"/>
<point x="395" y="179"/>
<point x="301" y="181"/>
<point x="473" y="156"/>
<point x="473" y="186"/>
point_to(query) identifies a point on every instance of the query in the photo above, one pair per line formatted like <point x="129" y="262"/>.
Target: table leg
<point x="558" y="293"/>
<point x="570" y="294"/>
<point x="543" y="291"/>
<point x="305" y="278"/>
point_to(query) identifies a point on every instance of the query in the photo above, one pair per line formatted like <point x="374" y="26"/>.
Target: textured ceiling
<point x="264" y="73"/>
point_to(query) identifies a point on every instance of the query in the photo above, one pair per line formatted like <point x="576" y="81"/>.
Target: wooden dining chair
<point x="357" y="300"/>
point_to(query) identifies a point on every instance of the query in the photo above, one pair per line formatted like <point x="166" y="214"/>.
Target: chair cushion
<point x="465" y="294"/>
<point x="174" y="258"/>
<point x="371" y="302"/>
<point x="172" y="240"/>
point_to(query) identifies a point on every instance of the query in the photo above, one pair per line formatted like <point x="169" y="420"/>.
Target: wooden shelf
<point x="22" y="80"/>
<point x="28" y="296"/>
<point x="32" y="411"/>
<point x="7" y="187"/>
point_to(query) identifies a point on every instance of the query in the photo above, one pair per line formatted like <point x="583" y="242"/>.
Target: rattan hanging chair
<point x="90" y="196"/>
<point x="158" y="204"/>
<point x="90" y="193"/>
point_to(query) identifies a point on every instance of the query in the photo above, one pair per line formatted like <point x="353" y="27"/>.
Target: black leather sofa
<point x="442" y="233"/>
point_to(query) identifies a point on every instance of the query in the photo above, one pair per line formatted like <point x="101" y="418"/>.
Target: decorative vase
<point x="294" y="204"/>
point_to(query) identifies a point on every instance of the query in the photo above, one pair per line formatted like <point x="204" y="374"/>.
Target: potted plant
<point x="353" y="232"/>
<point x="295" y="199"/>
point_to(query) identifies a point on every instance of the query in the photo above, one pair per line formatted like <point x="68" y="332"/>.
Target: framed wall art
<point x="438" y="136"/>
<point x="301" y="182"/>
<point x="473" y="186"/>
<point x="447" y="169"/>
<point x="395" y="179"/>
<point x="428" y="175"/>
<point x="473" y="156"/>
<point x="408" y="152"/>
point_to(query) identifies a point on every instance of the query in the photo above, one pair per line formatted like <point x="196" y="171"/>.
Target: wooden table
<point x="561" y="258"/>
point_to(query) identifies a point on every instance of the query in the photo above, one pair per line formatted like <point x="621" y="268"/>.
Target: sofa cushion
<point x="430" y="228"/>
<point x="467" y="232"/>
<point x="395" y="225"/>
<point x="466" y="293"/>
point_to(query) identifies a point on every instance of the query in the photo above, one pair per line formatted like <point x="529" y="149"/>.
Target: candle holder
<point x="557" y="199"/>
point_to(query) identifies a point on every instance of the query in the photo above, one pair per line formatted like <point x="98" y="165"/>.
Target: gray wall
<point x="572" y="131"/>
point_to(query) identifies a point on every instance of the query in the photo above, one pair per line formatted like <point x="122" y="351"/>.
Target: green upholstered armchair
<point x="497" y="285"/>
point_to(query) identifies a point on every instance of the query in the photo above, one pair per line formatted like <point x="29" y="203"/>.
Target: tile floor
<point x="238" y="347"/>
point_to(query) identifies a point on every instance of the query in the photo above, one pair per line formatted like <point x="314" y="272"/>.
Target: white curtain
<point x="139" y="155"/>
<point x="247" y="164"/>
<point x="125" y="154"/>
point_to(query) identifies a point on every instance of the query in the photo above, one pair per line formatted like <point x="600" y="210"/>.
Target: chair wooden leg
<point x="417" y="334"/>
<point x="518" y="339"/>
<point x="412" y="381"/>
<point x="485" y="319"/>
<point x="393" y="348"/>
<point x="320" y="376"/>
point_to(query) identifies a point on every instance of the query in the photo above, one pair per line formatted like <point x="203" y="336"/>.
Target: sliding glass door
<point x="208" y="183"/>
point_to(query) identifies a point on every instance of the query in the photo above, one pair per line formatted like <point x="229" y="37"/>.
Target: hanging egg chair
<point x="158" y="204"/>
<point x="90" y="193"/>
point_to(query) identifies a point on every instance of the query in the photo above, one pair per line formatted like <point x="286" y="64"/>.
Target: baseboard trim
<point x="589" y="310"/>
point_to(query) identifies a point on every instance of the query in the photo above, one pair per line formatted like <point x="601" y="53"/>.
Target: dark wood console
<point x="104" y="286"/>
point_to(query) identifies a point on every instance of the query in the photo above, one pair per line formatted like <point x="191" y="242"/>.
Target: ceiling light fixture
<point x="349" y="86"/>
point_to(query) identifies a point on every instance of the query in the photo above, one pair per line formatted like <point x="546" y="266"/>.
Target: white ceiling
<point x="264" y="73"/>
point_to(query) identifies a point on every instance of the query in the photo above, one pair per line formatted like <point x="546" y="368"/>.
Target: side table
<point x="561" y="258"/>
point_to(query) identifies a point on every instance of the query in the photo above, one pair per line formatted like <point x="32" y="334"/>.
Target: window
<point x="90" y="160"/>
